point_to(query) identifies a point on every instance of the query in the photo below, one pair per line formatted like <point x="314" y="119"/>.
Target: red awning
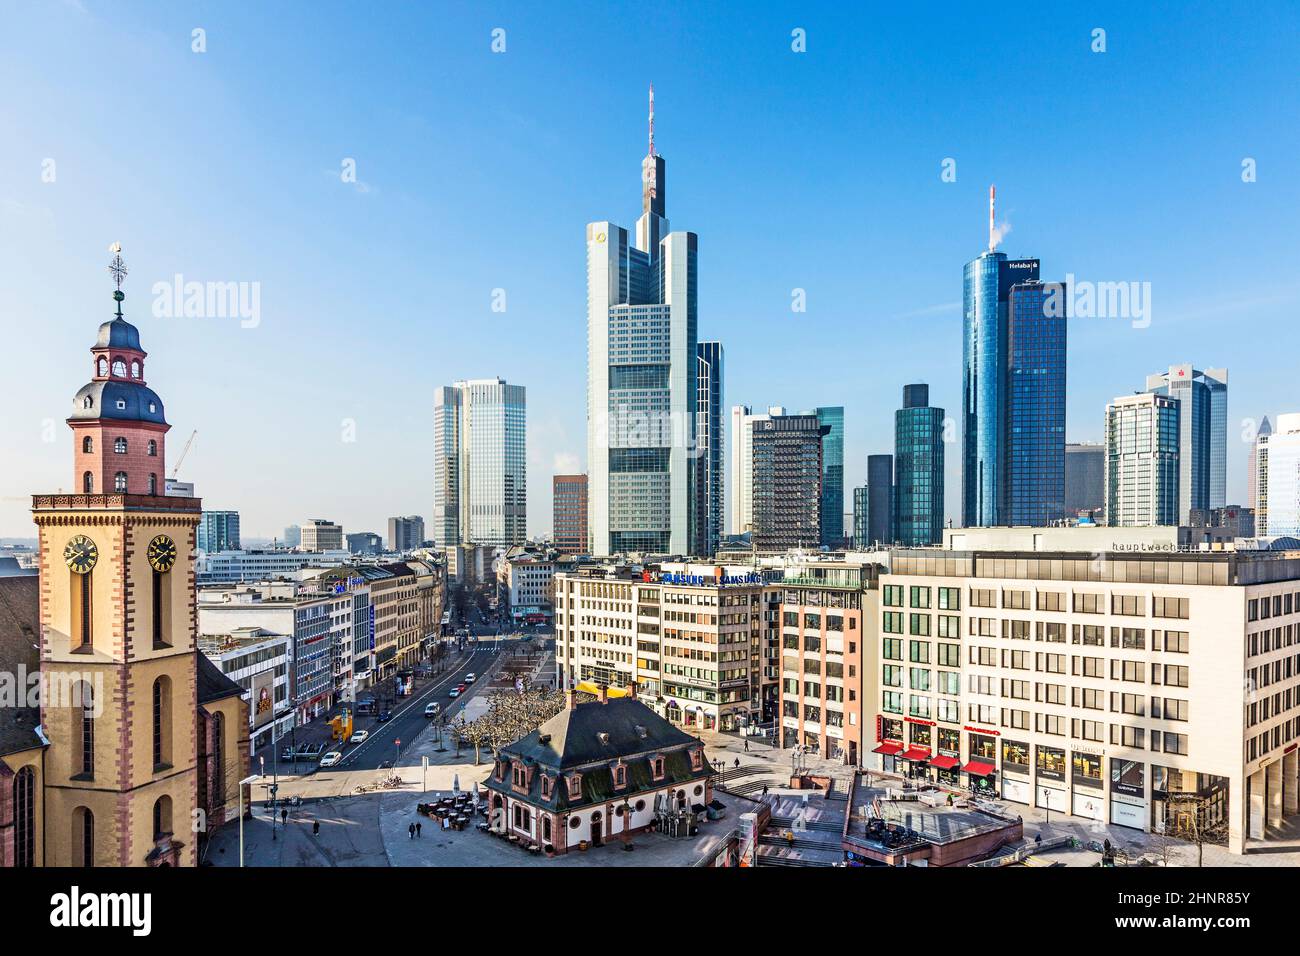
<point x="888" y="749"/>
<point x="977" y="768"/>
<point x="943" y="763"/>
<point x="919" y="754"/>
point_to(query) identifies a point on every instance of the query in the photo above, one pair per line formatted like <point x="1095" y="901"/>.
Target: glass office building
<point x="708" y="449"/>
<point x="918" y="469"/>
<point x="832" y="475"/>
<point x="1142" y="457"/>
<point x="1202" y="435"/>
<point x="218" y="531"/>
<point x="986" y="287"/>
<point x="880" y="500"/>
<point x="1033" y="475"/>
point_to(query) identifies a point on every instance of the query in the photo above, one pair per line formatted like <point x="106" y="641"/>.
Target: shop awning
<point x="978" y="768"/>
<point x="919" y="754"/>
<point x="888" y="749"/>
<point x="943" y="763"/>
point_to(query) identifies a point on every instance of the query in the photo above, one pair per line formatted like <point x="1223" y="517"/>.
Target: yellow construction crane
<point x="184" y="451"/>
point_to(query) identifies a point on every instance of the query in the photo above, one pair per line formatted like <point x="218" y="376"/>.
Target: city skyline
<point x="1105" y="227"/>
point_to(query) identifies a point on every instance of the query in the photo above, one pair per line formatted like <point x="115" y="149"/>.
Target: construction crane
<point x="184" y="451"/>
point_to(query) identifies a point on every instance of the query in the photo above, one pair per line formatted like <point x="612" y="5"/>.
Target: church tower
<point x="118" y="627"/>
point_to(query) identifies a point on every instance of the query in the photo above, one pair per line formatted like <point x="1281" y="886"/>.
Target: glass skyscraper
<point x="1142" y="461"/>
<point x="880" y="500"/>
<point x="708" y="449"/>
<point x="986" y="288"/>
<point x="918" y="469"/>
<point x="832" y="475"/>
<point x="642" y="378"/>
<point x="1202" y="434"/>
<point x="1033" y="474"/>
<point x="480" y="493"/>
<point x="218" y="531"/>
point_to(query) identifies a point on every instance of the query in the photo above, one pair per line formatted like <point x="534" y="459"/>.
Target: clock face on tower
<point x="81" y="554"/>
<point x="162" y="553"/>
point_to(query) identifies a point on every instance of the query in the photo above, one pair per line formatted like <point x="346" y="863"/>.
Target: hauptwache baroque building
<point x="1117" y="674"/>
<point x="135" y="747"/>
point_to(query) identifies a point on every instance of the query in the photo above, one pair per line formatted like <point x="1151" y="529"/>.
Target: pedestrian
<point x="737" y="763"/>
<point x="411" y="830"/>
<point x="419" y="828"/>
<point x="746" y="745"/>
<point x="315" y="828"/>
<point x="284" y="816"/>
<point x="765" y="790"/>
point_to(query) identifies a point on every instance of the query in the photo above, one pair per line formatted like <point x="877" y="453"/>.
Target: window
<point x="1088" y="604"/>
<point x="218" y="759"/>
<point x="88" y="483"/>
<point x="82" y="615"/>
<point x="1051" y="601"/>
<point x="84" y="712"/>
<point x="101" y="366"/>
<point x="135" y="368"/>
<point x="1170" y="607"/>
<point x="83" y="836"/>
<point x="162" y="817"/>
<point x="950" y="599"/>
<point x="1017" y="600"/>
<point x="87" y="402"/>
<point x="119" y="446"/>
<point x="119" y="482"/>
<point x="87" y="444"/>
<point x="24" y="825"/>
<point x="153" y="448"/>
<point x="119" y="368"/>
<point x="162" y="723"/>
<point x="1130" y="605"/>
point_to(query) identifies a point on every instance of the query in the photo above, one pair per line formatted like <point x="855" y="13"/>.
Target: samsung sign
<point x="700" y="579"/>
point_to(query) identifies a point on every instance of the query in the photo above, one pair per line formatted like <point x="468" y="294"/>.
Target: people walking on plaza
<point x="411" y="830"/>
<point x="746" y="745"/>
<point x="419" y="829"/>
<point x="315" y="828"/>
<point x="284" y="816"/>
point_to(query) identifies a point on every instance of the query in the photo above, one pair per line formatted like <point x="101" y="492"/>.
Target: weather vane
<point x="117" y="269"/>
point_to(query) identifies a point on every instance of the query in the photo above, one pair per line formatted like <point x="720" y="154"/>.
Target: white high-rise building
<point x="1278" y="479"/>
<point x="1141" y="466"/>
<point x="480" y="493"/>
<point x="642" y="378"/>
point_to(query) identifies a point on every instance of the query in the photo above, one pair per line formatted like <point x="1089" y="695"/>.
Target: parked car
<point x="432" y="709"/>
<point x="384" y="716"/>
<point x="361" y="736"/>
<point x="331" y="758"/>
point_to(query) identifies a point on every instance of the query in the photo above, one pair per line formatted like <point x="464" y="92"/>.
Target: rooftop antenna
<point x="117" y="269"/>
<point x="992" y="241"/>
<point x="652" y="119"/>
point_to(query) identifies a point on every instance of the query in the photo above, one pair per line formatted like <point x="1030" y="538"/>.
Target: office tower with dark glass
<point x="1085" y="478"/>
<point x="880" y="500"/>
<point x="218" y="531"/>
<point x="569" y="513"/>
<point x="787" y="481"/>
<point x="405" y="533"/>
<point x="986" y="290"/>
<point x="1033" y="472"/>
<point x="642" y="377"/>
<point x="861" y="532"/>
<point x="832" y="475"/>
<point x="708" y="449"/>
<point x="480" y="493"/>
<point x="1142" y="452"/>
<point x="1202" y="435"/>
<point x="918" y="469"/>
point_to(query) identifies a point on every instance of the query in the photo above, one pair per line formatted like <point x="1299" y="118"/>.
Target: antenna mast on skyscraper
<point x="992" y="240"/>
<point x="652" y="119"/>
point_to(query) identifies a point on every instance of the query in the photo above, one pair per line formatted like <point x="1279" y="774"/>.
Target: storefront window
<point x="983" y="747"/>
<point x="920" y="735"/>
<point x="1051" y="763"/>
<point x="1087" y="769"/>
<point x="949" y="741"/>
<point x="891" y="729"/>
<point x="1015" y="756"/>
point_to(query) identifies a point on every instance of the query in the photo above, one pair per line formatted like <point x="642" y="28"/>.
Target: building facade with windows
<point x="1085" y="478"/>
<point x="1136" y="685"/>
<point x="1202" y="434"/>
<point x="1278" y="479"/>
<point x="918" y="470"/>
<point x="405" y="533"/>
<point x="219" y="531"/>
<point x="786" y="477"/>
<point x="1034" y="468"/>
<point x="321" y="535"/>
<point x="569" y="513"/>
<point x="709" y="450"/>
<point x="1141" y="470"/>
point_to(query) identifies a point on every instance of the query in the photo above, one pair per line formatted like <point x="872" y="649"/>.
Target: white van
<point x="432" y="709"/>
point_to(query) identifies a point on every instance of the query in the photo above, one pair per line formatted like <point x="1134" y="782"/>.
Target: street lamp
<point x="247" y="781"/>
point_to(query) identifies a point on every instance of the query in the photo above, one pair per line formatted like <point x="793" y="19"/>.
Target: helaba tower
<point x="642" y="377"/>
<point x="987" y="282"/>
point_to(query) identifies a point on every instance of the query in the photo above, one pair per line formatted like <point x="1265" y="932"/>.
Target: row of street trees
<point x="510" y="716"/>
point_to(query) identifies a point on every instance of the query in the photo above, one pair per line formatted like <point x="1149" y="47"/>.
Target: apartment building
<point x="1127" y="679"/>
<point x="828" y="614"/>
<point x="397" y="619"/>
<point x="689" y="637"/>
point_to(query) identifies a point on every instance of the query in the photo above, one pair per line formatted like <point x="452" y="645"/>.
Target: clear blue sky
<point x="478" y="171"/>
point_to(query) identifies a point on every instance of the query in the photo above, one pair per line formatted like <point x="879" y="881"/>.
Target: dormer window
<point x="546" y="787"/>
<point x="87" y="402"/>
<point x="519" y="776"/>
<point x="697" y="759"/>
<point x="152" y="408"/>
<point x="575" y="786"/>
<point x="620" y="777"/>
<point x="121" y="403"/>
<point x="657" y="768"/>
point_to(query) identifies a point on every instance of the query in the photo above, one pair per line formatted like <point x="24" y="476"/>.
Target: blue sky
<point x="477" y="171"/>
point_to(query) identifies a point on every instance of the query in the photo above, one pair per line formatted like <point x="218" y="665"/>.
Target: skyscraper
<point x="642" y="387"/>
<point x="1142" y="460"/>
<point x="1033" y="473"/>
<point x="787" y="481"/>
<point x="879" y="500"/>
<point x="569" y="513"/>
<point x="1253" y="462"/>
<point x="918" y="469"/>
<point x="1202" y="435"/>
<point x="480" y="493"/>
<point x="832" y="475"/>
<point x="218" y="531"/>
<point x="708" y="449"/>
<point x="861" y="520"/>
<point x="1085" y="478"/>
<point x="405" y="533"/>
<point x="986" y="288"/>
<point x="740" y="498"/>
<point x="1278" y="511"/>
